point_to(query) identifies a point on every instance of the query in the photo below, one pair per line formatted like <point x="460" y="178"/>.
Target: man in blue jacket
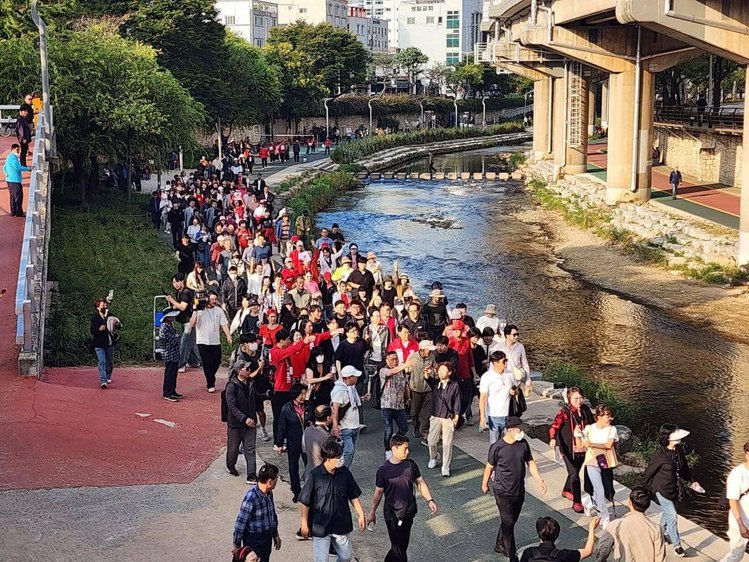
<point x="12" y="170"/>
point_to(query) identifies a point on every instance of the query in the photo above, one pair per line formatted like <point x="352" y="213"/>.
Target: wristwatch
<point x="430" y="501"/>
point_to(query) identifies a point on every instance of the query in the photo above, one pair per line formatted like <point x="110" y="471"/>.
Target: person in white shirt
<point x="345" y="399"/>
<point x="255" y="280"/>
<point x="488" y="342"/>
<point x="208" y="324"/>
<point x="599" y="438"/>
<point x="495" y="389"/>
<point x="737" y="493"/>
<point x="489" y="319"/>
<point x="517" y="361"/>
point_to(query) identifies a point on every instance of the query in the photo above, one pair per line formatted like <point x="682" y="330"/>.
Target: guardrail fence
<point x="31" y="291"/>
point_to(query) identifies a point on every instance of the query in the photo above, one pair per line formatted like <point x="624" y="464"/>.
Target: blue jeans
<point x="389" y="415"/>
<point x="669" y="519"/>
<point x="599" y="494"/>
<point x="496" y="426"/>
<point x="348" y="440"/>
<point x="105" y="358"/>
<point x="341" y="543"/>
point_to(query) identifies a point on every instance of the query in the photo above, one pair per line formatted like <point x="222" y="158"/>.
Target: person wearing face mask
<point x="664" y="474"/>
<point x="293" y="420"/>
<point x="247" y="352"/>
<point x="508" y="459"/>
<point x="318" y="377"/>
<point x="325" y="511"/>
<point x="103" y="342"/>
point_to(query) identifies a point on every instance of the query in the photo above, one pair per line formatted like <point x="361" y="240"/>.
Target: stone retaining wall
<point x="684" y="242"/>
<point x="711" y="157"/>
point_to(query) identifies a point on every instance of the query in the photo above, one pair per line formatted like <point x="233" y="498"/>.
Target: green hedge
<point x="389" y="104"/>
<point x="111" y="246"/>
<point x="349" y="153"/>
<point x="318" y="193"/>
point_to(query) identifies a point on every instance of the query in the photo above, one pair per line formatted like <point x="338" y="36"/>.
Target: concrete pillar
<point x="591" y="108"/>
<point x="559" y="113"/>
<point x="541" y="119"/>
<point x="605" y="104"/>
<point x="743" y="257"/>
<point x="621" y="132"/>
<point x="577" y="156"/>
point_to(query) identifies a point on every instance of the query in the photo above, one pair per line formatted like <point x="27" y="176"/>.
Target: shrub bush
<point x="351" y="152"/>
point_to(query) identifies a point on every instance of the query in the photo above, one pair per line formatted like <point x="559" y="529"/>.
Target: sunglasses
<point x="516" y="334"/>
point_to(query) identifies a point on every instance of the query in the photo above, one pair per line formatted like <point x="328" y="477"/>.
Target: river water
<point x="679" y="372"/>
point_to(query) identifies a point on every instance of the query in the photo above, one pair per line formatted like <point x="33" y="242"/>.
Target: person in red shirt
<point x="466" y="369"/>
<point x="403" y="346"/>
<point x="269" y="330"/>
<point x="289" y="273"/>
<point x="386" y="313"/>
<point x="280" y="357"/>
<point x="264" y="156"/>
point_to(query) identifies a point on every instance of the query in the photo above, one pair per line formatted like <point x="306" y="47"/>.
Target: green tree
<point x="437" y="76"/>
<point x="468" y="75"/>
<point x="111" y="98"/>
<point x="412" y="60"/>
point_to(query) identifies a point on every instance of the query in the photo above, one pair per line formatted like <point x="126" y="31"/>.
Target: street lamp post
<point x="39" y="22"/>
<point x="369" y="103"/>
<point x="455" y="103"/>
<point x="483" y="113"/>
<point x="421" y="105"/>
<point x="525" y="105"/>
<point x="327" y="117"/>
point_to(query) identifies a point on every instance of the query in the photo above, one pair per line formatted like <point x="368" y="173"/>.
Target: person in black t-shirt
<point x="548" y="531"/>
<point x="508" y="458"/>
<point x="183" y="301"/>
<point x="325" y="498"/>
<point x="395" y="479"/>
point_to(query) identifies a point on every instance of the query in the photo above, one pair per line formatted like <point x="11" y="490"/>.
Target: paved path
<point x="710" y="201"/>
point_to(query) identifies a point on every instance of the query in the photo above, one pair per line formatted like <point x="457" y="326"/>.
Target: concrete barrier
<point x="388" y="175"/>
<point x="413" y="175"/>
<point x="439" y="176"/>
<point x="425" y="176"/>
<point x="465" y="175"/>
<point x="401" y="176"/>
<point x="478" y="176"/>
<point x="504" y="176"/>
<point x="517" y="175"/>
<point x="452" y="176"/>
<point x="491" y="175"/>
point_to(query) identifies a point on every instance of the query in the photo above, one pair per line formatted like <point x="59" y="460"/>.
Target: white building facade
<point x="334" y="12"/>
<point x="386" y="10"/>
<point x="444" y="30"/>
<point x="370" y="31"/>
<point x="250" y="19"/>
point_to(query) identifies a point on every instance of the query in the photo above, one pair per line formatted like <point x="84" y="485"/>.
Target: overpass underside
<point x="579" y="52"/>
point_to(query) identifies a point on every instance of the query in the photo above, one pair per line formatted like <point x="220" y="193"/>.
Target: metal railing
<point x="31" y="290"/>
<point x="726" y="118"/>
<point x="8" y="113"/>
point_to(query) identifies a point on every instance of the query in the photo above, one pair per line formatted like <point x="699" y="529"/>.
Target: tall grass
<point x="349" y="153"/>
<point x="110" y="246"/>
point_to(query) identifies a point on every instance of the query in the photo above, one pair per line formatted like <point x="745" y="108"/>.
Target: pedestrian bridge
<point x="607" y="53"/>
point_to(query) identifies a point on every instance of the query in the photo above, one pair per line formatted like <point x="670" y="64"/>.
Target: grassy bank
<point x="111" y="246"/>
<point x="349" y="153"/>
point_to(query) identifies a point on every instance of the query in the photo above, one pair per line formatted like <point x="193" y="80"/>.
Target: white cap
<point x="350" y="371"/>
<point x="455" y="314"/>
<point x="427" y="344"/>
<point x="678" y="435"/>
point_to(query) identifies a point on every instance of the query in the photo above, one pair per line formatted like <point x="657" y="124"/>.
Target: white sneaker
<point x="182" y="369"/>
<point x="445" y="472"/>
<point x="264" y="435"/>
<point x="212" y="390"/>
<point x="388" y="455"/>
<point x="432" y="463"/>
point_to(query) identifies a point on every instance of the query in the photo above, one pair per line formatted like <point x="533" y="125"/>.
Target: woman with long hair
<point x="665" y="473"/>
<point x="566" y="432"/>
<point x="600" y="460"/>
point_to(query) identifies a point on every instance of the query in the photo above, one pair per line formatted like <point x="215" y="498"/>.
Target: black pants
<point x="176" y="233"/>
<point x="170" y="378"/>
<point x="15" y="190"/>
<point x="277" y="402"/>
<point x="246" y="436"/>
<point x="294" y="455"/>
<point x="509" y="512"/>
<point x="466" y="397"/>
<point x="210" y="355"/>
<point x="572" y="484"/>
<point x="156" y="218"/>
<point x="400" y="536"/>
<point x="261" y="544"/>
<point x="296" y="157"/>
<point x="264" y="162"/>
<point x="24" y="152"/>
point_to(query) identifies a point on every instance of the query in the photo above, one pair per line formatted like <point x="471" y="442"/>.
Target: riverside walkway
<point x="717" y="203"/>
<point x="103" y="481"/>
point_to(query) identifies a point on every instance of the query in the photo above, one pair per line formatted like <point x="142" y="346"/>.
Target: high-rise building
<point x="370" y="31"/>
<point x="250" y="19"/>
<point x="444" y="30"/>
<point x="386" y="10"/>
<point x="334" y="12"/>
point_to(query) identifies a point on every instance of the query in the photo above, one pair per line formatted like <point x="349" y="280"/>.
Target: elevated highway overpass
<point x="570" y="47"/>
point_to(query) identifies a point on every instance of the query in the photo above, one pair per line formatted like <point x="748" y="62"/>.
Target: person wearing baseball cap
<point x="346" y="403"/>
<point x="508" y="459"/>
<point x="169" y="340"/>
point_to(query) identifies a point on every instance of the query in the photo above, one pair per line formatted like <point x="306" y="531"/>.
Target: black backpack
<point x="536" y="556"/>
<point x="224" y="407"/>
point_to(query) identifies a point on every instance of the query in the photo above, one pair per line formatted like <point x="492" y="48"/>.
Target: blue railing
<point x="31" y="290"/>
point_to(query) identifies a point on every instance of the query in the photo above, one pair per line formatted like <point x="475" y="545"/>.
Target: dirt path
<point x="595" y="260"/>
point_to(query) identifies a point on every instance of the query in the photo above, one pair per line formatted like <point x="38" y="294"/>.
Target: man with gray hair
<point x="241" y="413"/>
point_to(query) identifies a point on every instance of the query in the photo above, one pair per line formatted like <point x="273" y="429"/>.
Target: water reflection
<point x="677" y="372"/>
<point x="486" y="160"/>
